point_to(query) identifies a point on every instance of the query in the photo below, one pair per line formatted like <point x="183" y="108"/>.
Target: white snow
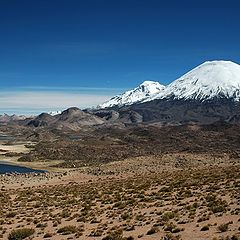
<point x="54" y="113"/>
<point x="207" y="81"/>
<point x="140" y="93"/>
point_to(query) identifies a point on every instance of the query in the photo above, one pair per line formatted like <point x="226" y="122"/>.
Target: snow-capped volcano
<point x="212" y="79"/>
<point x="145" y="90"/>
<point x="215" y="79"/>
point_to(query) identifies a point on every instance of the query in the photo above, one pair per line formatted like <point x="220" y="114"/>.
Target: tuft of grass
<point x="115" y="235"/>
<point x="172" y="228"/>
<point x="223" y="227"/>
<point x="153" y="230"/>
<point x="20" y="234"/>
<point x="168" y="215"/>
<point x="11" y="214"/>
<point x="67" y="230"/>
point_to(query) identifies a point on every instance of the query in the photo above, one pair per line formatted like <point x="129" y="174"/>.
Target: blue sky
<point x="99" y="48"/>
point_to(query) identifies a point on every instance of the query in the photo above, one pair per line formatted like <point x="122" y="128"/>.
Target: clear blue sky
<point x="112" y="44"/>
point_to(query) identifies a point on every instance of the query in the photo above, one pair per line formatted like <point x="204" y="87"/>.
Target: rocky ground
<point x="102" y="145"/>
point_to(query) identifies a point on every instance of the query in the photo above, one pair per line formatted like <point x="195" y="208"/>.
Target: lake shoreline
<point x="6" y="168"/>
<point x="20" y="148"/>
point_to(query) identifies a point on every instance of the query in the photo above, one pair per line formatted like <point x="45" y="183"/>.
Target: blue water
<point x="6" y="168"/>
<point x="5" y="137"/>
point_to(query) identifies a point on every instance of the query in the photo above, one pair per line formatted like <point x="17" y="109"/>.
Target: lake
<point x="7" y="168"/>
<point x="6" y="137"/>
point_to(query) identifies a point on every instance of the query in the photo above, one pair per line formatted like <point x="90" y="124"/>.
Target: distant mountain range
<point x="206" y="94"/>
<point x="215" y="79"/>
<point x="6" y="119"/>
<point x="209" y="93"/>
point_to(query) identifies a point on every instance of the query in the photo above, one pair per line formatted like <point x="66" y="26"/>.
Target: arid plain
<point x="129" y="184"/>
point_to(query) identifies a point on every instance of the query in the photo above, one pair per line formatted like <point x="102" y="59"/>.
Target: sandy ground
<point x="21" y="148"/>
<point x="17" y="148"/>
<point x="54" y="195"/>
<point x="132" y="196"/>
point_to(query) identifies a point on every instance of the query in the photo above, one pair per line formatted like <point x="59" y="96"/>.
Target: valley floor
<point x="139" y="198"/>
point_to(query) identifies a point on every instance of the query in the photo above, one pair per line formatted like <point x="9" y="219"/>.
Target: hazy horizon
<point x="33" y="100"/>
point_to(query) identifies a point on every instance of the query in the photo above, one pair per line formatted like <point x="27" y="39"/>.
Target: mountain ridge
<point x="138" y="94"/>
<point x="206" y="94"/>
<point x="72" y="118"/>
<point x="209" y="80"/>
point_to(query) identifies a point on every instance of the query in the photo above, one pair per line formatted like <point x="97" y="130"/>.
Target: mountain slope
<point x="142" y="92"/>
<point x="72" y="118"/>
<point x="13" y="119"/>
<point x="215" y="79"/>
<point x="206" y="94"/>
